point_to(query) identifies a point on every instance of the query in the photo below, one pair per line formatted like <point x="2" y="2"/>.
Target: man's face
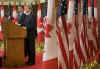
<point x="20" y="9"/>
<point x="27" y="9"/>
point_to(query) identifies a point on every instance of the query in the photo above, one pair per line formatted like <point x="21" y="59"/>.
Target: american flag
<point x="96" y="22"/>
<point x="71" y="32"/>
<point x="79" y="50"/>
<point x="80" y="35"/>
<point x="83" y="32"/>
<point x="91" y="38"/>
<point x="71" y="51"/>
<point x="62" y="36"/>
<point x="78" y="46"/>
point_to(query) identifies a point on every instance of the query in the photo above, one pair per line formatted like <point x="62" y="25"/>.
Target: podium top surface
<point x="12" y="30"/>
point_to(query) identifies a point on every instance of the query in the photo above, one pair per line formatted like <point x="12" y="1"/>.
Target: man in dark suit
<point x="21" y="17"/>
<point x="30" y="24"/>
<point x="20" y="14"/>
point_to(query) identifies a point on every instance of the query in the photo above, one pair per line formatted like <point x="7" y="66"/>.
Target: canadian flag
<point x="50" y="55"/>
<point x="2" y="10"/>
<point x="1" y="19"/>
<point x="1" y="36"/>
<point x="40" y="31"/>
<point x="15" y="20"/>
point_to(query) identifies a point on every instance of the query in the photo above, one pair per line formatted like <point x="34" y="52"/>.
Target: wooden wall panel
<point x="98" y="6"/>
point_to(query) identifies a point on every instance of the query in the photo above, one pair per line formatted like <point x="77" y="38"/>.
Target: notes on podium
<point x="21" y="26"/>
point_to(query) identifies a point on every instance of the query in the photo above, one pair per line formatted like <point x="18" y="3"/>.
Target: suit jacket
<point x="21" y="18"/>
<point x="30" y="24"/>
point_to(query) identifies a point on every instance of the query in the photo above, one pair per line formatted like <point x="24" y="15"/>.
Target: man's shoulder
<point x="32" y="14"/>
<point x="23" y="15"/>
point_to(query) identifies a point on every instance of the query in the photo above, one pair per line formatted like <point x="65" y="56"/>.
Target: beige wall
<point x="22" y="1"/>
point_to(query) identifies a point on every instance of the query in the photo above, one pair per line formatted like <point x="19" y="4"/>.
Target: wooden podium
<point x="14" y="41"/>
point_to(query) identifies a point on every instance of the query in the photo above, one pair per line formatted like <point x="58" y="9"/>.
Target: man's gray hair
<point x="29" y="6"/>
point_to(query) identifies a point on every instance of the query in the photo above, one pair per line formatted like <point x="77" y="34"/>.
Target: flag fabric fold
<point x="78" y="46"/>
<point x="71" y="32"/>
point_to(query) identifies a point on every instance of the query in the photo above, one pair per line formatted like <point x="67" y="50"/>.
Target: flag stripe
<point x="65" y="28"/>
<point x="77" y="42"/>
<point x="61" y="61"/>
<point x="62" y="48"/>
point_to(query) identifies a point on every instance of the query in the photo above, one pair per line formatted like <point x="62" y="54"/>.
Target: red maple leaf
<point x="40" y="37"/>
<point x="39" y="24"/>
<point x="48" y="30"/>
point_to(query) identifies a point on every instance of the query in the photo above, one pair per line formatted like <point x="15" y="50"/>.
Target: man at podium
<point x="20" y="14"/>
<point x="30" y="24"/>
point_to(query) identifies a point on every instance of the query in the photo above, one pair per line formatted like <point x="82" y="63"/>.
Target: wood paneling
<point x="98" y="6"/>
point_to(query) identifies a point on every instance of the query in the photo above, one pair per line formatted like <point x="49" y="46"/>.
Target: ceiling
<point x="21" y="1"/>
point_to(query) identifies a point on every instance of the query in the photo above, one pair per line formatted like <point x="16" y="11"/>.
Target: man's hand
<point x="18" y="24"/>
<point x="24" y="27"/>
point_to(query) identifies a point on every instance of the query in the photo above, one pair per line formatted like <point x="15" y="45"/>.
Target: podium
<point x="14" y="42"/>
